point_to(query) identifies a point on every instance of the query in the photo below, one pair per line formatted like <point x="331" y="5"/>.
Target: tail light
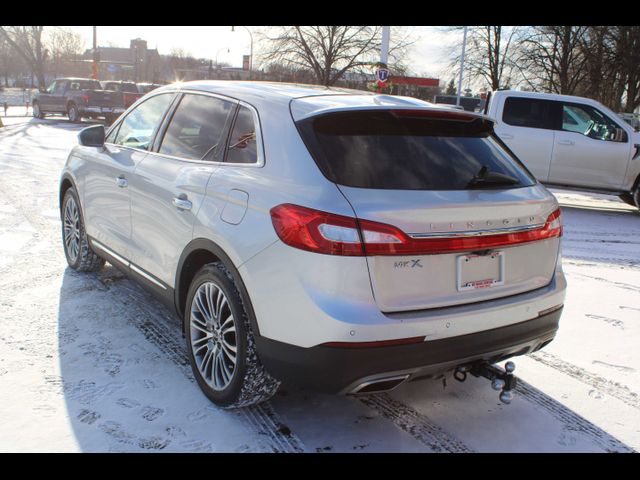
<point x="85" y="98"/>
<point x="332" y="234"/>
<point x="316" y="231"/>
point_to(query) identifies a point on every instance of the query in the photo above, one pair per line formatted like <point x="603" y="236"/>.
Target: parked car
<point x="570" y="141"/>
<point x="337" y="239"/>
<point x="147" y="87"/>
<point x="77" y="98"/>
<point x="128" y="91"/>
<point x="632" y="119"/>
<point x="447" y="105"/>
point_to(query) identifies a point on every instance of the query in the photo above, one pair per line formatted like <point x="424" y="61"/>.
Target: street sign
<point x="382" y="75"/>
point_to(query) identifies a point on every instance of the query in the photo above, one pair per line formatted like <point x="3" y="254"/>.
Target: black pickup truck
<point x="77" y="98"/>
<point x="128" y="90"/>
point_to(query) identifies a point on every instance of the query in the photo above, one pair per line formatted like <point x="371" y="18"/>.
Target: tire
<point x="227" y="381"/>
<point x="74" y="114"/>
<point x="636" y="196"/>
<point x="80" y="256"/>
<point x="627" y="198"/>
<point x="37" y="113"/>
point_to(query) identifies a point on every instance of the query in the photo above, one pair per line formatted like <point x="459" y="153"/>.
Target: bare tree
<point x="64" y="46"/>
<point x="551" y="58"/>
<point x="627" y="63"/>
<point x="489" y="55"/>
<point x="28" y="43"/>
<point x="332" y="51"/>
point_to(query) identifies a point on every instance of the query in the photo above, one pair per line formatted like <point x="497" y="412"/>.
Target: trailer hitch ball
<point x="501" y="380"/>
<point x="497" y="384"/>
<point x="506" y="396"/>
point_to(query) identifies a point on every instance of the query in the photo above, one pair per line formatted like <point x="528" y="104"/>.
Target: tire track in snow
<point x="415" y="424"/>
<point x="151" y="321"/>
<point x="570" y="419"/>
<point x="280" y="439"/>
<point x="274" y="435"/>
<point x="615" y="389"/>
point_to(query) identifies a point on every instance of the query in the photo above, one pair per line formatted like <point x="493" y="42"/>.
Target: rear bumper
<point x="100" y="110"/>
<point x="341" y="370"/>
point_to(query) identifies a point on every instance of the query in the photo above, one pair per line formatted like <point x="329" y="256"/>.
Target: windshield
<point x="386" y="149"/>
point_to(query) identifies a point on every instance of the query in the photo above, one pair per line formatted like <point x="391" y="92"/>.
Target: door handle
<point x="508" y="136"/>
<point x="121" y="181"/>
<point x="566" y="142"/>
<point x="182" y="203"/>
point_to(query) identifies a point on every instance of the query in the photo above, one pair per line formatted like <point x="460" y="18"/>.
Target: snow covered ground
<point x="92" y="363"/>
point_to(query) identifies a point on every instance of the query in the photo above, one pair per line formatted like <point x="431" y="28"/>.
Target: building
<point x="136" y="63"/>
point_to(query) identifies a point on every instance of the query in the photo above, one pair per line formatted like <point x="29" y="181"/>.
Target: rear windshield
<point x="406" y="150"/>
<point x="87" y="84"/>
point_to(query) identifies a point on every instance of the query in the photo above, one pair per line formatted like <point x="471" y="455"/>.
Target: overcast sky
<point x="429" y="56"/>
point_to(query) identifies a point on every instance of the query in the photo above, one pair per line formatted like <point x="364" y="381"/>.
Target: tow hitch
<point x="501" y="380"/>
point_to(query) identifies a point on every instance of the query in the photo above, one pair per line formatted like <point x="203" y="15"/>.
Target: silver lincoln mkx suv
<point x="336" y="239"/>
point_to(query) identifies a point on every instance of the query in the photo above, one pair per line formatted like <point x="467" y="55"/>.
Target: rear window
<point x="407" y="151"/>
<point x="88" y="84"/>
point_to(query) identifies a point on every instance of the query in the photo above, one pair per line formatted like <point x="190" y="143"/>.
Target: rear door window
<point x="532" y="113"/>
<point x="196" y="130"/>
<point x="383" y="149"/>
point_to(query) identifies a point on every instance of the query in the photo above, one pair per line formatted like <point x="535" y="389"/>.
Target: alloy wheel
<point x="73" y="114"/>
<point x="72" y="229"/>
<point x="213" y="336"/>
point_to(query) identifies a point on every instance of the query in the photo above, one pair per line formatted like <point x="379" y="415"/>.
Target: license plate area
<point x="475" y="272"/>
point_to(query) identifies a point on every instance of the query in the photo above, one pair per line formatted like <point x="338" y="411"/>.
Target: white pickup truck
<point x="569" y="141"/>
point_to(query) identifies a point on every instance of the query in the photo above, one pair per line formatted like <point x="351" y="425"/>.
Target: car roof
<point x="76" y="79"/>
<point x="544" y="96"/>
<point x="303" y="100"/>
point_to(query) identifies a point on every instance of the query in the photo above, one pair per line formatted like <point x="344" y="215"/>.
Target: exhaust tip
<point x="379" y="385"/>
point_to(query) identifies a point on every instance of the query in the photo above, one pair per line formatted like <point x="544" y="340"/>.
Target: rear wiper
<point x="489" y="179"/>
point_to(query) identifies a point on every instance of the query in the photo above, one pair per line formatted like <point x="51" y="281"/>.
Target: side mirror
<point x="92" y="136"/>
<point x="620" y="136"/>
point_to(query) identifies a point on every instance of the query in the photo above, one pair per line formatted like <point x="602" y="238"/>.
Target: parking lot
<point x="92" y="363"/>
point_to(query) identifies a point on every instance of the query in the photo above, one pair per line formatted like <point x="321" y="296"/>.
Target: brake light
<point x="441" y="114"/>
<point x="332" y="234"/>
<point x="316" y="231"/>
<point x="553" y="225"/>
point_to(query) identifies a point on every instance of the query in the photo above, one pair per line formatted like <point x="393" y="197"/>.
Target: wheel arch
<point x="66" y="182"/>
<point x="196" y="254"/>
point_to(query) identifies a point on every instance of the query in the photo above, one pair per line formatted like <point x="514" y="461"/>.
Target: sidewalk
<point x="15" y="111"/>
<point x="14" y="116"/>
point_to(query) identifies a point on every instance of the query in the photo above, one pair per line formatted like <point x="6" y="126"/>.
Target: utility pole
<point x="384" y="49"/>
<point x="94" y="65"/>
<point x="464" y="45"/>
<point x="250" y="51"/>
